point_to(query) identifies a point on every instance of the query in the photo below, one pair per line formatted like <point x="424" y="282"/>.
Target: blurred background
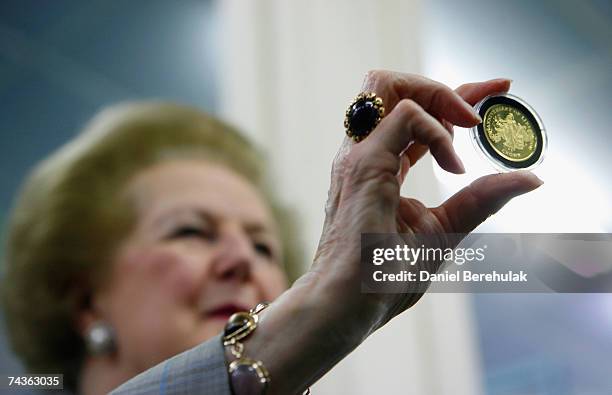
<point x="284" y="71"/>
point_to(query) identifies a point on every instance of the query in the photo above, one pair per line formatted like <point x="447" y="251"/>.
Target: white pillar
<point x="287" y="72"/>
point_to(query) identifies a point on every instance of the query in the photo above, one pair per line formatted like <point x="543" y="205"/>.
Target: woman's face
<point x="204" y="246"/>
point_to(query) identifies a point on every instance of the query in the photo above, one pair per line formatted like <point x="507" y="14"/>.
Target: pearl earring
<point x="100" y="339"/>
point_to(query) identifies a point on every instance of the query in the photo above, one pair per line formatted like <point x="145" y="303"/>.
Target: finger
<point x="474" y="92"/>
<point x="338" y="171"/>
<point x="404" y="167"/>
<point x="449" y="127"/>
<point x="471" y="206"/>
<point x="435" y="98"/>
<point x="408" y="122"/>
<point x="416" y="152"/>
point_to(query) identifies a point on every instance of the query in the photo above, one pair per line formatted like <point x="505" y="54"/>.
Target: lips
<point x="225" y="311"/>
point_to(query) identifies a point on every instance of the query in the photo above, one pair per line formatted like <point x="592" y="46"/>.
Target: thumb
<point x="472" y="205"/>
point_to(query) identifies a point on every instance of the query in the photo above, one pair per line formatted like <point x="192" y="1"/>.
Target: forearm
<point x="300" y="337"/>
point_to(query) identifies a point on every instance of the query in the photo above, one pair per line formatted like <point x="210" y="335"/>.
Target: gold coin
<point x="509" y="132"/>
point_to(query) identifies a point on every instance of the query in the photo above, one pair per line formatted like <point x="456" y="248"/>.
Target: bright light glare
<point x="570" y="201"/>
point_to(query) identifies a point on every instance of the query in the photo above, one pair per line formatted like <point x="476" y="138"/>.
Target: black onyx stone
<point x="362" y="118"/>
<point x="236" y="322"/>
<point x="246" y="381"/>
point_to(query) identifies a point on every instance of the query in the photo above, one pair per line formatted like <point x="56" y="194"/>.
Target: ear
<point x="89" y="310"/>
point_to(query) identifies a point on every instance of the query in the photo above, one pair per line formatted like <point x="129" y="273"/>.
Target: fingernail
<point x="537" y="181"/>
<point x="503" y="79"/>
<point x="474" y="113"/>
<point x="461" y="168"/>
<point x="460" y="165"/>
<point x="476" y="116"/>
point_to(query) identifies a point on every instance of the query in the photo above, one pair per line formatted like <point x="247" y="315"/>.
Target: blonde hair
<point x="69" y="217"/>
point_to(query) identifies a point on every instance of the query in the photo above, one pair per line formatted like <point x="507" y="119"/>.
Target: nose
<point x="235" y="256"/>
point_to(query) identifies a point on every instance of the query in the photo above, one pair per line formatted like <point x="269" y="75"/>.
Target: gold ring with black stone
<point x="363" y="115"/>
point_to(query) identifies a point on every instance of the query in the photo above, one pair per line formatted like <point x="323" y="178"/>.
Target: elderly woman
<point x="130" y="248"/>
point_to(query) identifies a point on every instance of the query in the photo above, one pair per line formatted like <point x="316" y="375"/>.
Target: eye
<point x="263" y="249"/>
<point x="188" y="231"/>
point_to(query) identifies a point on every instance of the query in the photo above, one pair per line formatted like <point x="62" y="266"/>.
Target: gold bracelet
<point x="245" y="373"/>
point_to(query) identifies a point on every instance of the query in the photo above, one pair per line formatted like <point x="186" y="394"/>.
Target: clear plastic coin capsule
<point x="511" y="136"/>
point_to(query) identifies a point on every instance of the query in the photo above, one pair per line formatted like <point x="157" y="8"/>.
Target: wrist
<point x="296" y="340"/>
<point x="338" y="287"/>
